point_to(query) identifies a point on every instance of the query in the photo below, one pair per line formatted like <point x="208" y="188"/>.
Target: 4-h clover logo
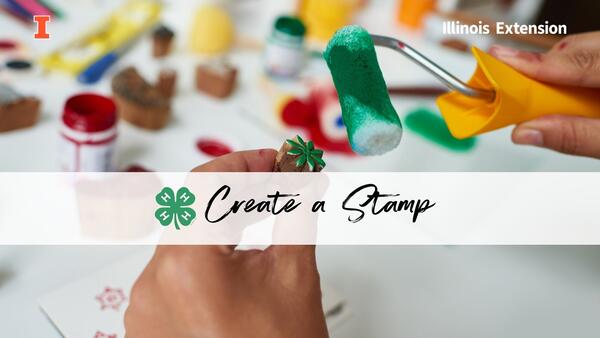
<point x="175" y="208"/>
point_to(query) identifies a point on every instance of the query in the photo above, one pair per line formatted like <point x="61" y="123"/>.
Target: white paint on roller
<point x="377" y="137"/>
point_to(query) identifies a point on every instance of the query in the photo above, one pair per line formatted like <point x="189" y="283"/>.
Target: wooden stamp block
<point x="17" y="112"/>
<point x="167" y="82"/>
<point x="138" y="102"/>
<point x="162" y="39"/>
<point x="22" y="113"/>
<point x="216" y="79"/>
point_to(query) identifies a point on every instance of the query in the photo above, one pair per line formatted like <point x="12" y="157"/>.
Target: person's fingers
<point x="298" y="232"/>
<point x="566" y="134"/>
<point x="294" y="237"/>
<point x="242" y="161"/>
<point x="174" y="253"/>
<point x="144" y="303"/>
<point x="229" y="230"/>
<point x="293" y="263"/>
<point x="578" y="41"/>
<point x="304" y="254"/>
<point x="570" y="64"/>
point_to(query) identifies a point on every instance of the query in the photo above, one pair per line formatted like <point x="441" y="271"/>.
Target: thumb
<point x="293" y="264"/>
<point x="300" y="229"/>
<point x="570" y="66"/>
<point x="302" y="255"/>
<point x="567" y="134"/>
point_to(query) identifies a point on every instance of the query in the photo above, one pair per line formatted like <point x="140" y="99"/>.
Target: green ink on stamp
<point x="306" y="152"/>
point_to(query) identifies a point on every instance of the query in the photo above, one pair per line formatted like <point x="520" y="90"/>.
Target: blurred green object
<point x="432" y="127"/>
<point x="57" y="12"/>
<point x="291" y="26"/>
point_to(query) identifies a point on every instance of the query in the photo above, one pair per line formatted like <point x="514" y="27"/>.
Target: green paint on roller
<point x="372" y="123"/>
<point x="433" y="127"/>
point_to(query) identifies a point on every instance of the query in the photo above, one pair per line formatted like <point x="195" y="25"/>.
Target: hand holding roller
<point x="497" y="95"/>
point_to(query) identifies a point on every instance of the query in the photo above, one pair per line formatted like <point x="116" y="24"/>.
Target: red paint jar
<point x="88" y="133"/>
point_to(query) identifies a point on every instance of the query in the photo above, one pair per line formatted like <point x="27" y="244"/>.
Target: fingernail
<point x="503" y="52"/>
<point x="508" y="54"/>
<point x="528" y="137"/>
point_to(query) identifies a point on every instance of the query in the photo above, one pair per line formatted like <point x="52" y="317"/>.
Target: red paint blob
<point x="7" y="44"/>
<point x="213" y="147"/>
<point x="136" y="168"/>
<point x="307" y="115"/>
<point x="297" y="113"/>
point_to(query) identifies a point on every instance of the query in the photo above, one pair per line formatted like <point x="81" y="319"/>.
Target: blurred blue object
<point x="339" y="122"/>
<point x="94" y="72"/>
<point x="14" y="8"/>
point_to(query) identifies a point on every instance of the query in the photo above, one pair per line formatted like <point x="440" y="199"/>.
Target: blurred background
<point x="272" y="84"/>
<point x="249" y="74"/>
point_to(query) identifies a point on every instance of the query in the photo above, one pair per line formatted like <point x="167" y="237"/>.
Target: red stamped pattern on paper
<point x="111" y="298"/>
<point x="100" y="334"/>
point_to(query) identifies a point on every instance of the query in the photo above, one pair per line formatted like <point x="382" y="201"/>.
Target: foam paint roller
<point x="372" y="124"/>
<point x="497" y="96"/>
<point x="518" y="98"/>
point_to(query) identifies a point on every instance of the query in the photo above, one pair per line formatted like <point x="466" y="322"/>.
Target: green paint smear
<point x="433" y="127"/>
<point x="361" y="88"/>
<point x="57" y="12"/>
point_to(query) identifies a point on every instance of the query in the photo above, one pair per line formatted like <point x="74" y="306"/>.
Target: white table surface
<point x="393" y="291"/>
<point x="479" y="292"/>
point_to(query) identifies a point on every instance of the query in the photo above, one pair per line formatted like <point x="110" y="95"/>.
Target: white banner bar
<point x="286" y="208"/>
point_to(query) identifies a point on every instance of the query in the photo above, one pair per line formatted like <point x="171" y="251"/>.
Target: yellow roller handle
<point x="518" y="99"/>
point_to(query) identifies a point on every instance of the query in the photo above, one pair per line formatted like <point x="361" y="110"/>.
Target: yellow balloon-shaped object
<point x="518" y="98"/>
<point x="324" y="17"/>
<point x="212" y="30"/>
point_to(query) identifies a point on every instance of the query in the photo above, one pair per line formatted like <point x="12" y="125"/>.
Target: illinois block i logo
<point x="41" y="26"/>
